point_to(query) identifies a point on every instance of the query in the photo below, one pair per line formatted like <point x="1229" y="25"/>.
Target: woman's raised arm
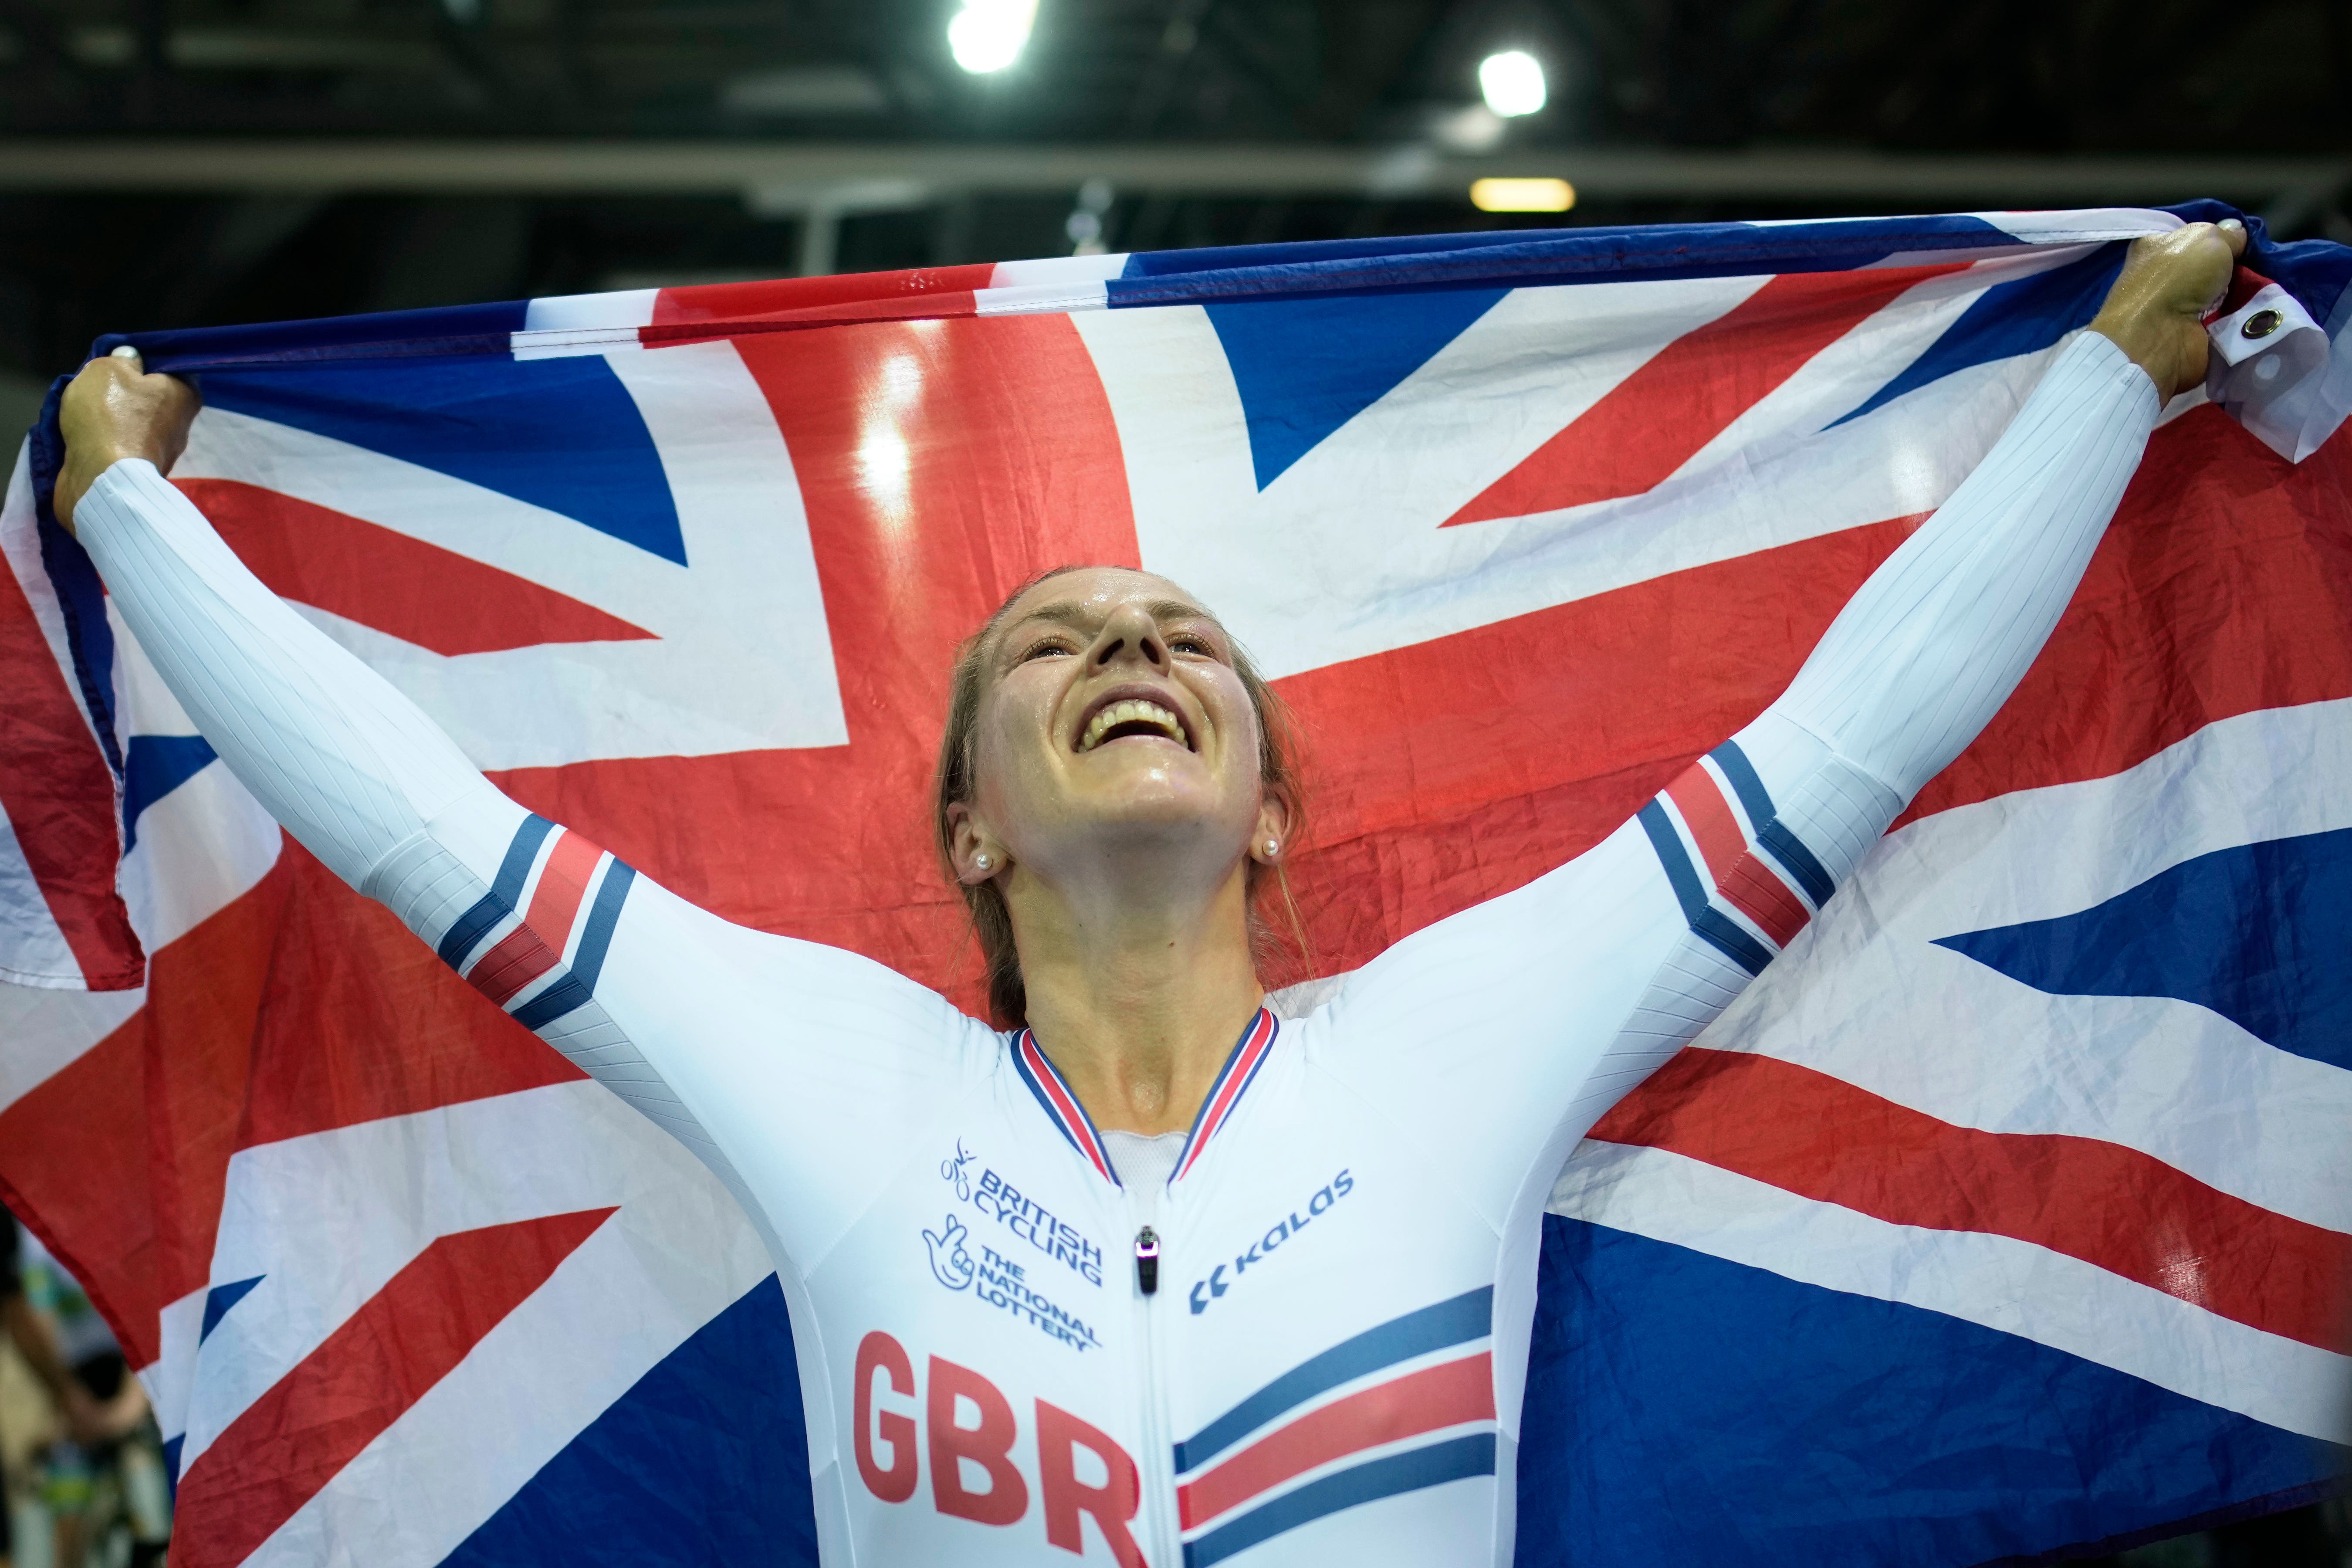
<point x="671" y="1007"/>
<point x="1567" y="993"/>
<point x="350" y="766"/>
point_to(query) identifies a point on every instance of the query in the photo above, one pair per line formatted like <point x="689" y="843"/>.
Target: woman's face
<point x="1113" y="719"/>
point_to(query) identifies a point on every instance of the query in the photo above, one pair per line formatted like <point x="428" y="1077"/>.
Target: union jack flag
<point x="2009" y="1214"/>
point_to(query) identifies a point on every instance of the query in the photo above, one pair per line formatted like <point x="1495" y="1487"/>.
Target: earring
<point x="983" y="860"/>
<point x="1272" y="846"/>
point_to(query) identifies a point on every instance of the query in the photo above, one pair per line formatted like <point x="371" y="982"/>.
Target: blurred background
<point x="180" y="163"/>
<point x="172" y="162"/>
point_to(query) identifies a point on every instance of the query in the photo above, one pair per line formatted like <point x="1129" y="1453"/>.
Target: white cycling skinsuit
<point x="1329" y="1368"/>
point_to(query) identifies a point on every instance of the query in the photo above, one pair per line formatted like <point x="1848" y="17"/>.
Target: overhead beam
<point x="779" y="175"/>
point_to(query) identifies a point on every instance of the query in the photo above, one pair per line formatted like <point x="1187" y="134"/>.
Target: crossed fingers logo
<point x="951" y="1264"/>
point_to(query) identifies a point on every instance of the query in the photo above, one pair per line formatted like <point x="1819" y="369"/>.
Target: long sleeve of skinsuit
<point x="692" y="1019"/>
<point x="1519" y="1022"/>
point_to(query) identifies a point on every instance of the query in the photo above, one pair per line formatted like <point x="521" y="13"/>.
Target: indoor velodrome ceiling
<point x="457" y="149"/>
<point x="2006" y="74"/>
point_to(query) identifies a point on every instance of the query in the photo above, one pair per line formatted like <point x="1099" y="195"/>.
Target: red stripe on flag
<point x="1658" y="418"/>
<point x="419" y="593"/>
<point x="561" y="887"/>
<point x="2123" y="1211"/>
<point x="59" y="793"/>
<point x="945" y="305"/>
<point x="1449" y="772"/>
<point x="2223" y="585"/>
<point x="704" y="302"/>
<point x="1739" y="876"/>
<point x="1444" y="1396"/>
<point x="285" y="1446"/>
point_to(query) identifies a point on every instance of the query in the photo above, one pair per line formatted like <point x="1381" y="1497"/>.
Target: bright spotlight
<point x="1513" y="82"/>
<point x="1522" y="195"/>
<point x="987" y="34"/>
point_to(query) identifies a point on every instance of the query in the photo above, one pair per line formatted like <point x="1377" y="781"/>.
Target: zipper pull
<point x="1147" y="1260"/>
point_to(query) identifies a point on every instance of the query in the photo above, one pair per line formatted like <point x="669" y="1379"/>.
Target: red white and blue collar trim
<point x="1249" y="1053"/>
<point x="1061" y="1105"/>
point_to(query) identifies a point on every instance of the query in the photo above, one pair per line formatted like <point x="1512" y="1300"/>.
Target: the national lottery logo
<point x="1000" y="1282"/>
<point x="950" y="1262"/>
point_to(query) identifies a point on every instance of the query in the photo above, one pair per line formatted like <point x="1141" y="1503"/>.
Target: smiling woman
<point x="1140" y="697"/>
<point x="1344" y="1207"/>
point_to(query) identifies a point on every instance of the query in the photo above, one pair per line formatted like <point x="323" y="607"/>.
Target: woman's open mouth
<point x="1133" y="716"/>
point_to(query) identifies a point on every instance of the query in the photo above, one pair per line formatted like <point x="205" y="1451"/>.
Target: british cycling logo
<point x="996" y="1279"/>
<point x="1261" y="1250"/>
<point x="951" y="1170"/>
<point x="1024" y="1216"/>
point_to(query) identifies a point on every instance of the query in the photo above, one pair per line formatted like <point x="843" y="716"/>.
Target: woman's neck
<point x="1138" y="1005"/>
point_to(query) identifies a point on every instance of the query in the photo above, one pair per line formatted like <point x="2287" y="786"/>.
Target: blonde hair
<point x="992" y="920"/>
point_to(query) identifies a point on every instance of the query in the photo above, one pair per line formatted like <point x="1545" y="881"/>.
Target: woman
<point x="1158" y="1276"/>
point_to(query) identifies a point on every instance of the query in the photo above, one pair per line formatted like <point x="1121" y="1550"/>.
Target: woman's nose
<point x="1130" y="633"/>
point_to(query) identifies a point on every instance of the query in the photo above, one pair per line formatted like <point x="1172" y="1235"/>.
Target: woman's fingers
<point x="114" y="410"/>
<point x="2155" y="313"/>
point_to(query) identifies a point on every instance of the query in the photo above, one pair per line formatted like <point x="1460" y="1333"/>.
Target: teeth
<point x="1131" y="711"/>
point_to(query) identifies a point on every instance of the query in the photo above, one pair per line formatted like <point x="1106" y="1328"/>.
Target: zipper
<point x="1146" y="1260"/>
<point x="1163" y="1545"/>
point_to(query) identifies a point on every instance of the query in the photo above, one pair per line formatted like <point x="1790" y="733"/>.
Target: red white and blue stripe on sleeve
<point x="536" y="941"/>
<point x="1746" y="882"/>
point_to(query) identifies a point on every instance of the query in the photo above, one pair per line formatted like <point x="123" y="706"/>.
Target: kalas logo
<point x="1207" y="1290"/>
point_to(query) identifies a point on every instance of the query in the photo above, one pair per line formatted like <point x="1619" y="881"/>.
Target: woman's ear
<point x="975" y="852"/>
<point x="1272" y="839"/>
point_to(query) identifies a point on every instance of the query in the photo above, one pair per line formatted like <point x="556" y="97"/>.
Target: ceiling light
<point x="1513" y="82"/>
<point x="1522" y="195"/>
<point x="987" y="34"/>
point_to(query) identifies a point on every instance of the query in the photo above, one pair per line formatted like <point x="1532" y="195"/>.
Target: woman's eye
<point x="1042" y="649"/>
<point x="1189" y="645"/>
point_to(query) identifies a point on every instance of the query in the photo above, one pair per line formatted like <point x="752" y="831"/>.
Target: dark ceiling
<point x="2158" y="76"/>
<point x="2009" y="74"/>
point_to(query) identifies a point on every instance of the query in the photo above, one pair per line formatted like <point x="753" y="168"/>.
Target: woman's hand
<point x="2156" y="310"/>
<point x="115" y="410"/>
